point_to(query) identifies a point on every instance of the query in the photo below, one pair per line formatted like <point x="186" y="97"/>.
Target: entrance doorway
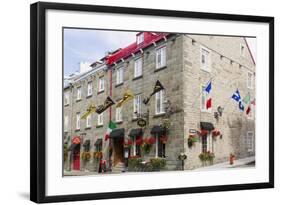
<point x="76" y="158"/>
<point x="118" y="150"/>
<point x="76" y="153"/>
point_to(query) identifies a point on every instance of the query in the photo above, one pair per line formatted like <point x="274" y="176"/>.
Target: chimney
<point x="84" y="67"/>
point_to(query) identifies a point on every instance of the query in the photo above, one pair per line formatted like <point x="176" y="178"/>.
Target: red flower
<point x="203" y="132"/>
<point x="150" y="140"/>
<point x="138" y="140"/>
<point x="127" y="142"/>
<point x="164" y="139"/>
<point x="215" y="133"/>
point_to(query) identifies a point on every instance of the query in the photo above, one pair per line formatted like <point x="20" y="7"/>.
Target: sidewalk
<point x="78" y="173"/>
<point x="245" y="162"/>
<point x="239" y="163"/>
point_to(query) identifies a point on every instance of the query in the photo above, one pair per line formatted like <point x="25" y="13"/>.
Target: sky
<point x="91" y="45"/>
<point x="85" y="45"/>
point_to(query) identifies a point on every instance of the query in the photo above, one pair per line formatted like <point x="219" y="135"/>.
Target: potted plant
<point x="86" y="156"/>
<point x="139" y="140"/>
<point x="157" y="164"/>
<point x="134" y="163"/>
<point x="147" y="144"/>
<point x="163" y="139"/>
<point x="203" y="132"/>
<point x="97" y="155"/>
<point x="127" y="143"/>
<point x="65" y="152"/>
<point x="191" y="140"/>
<point x="207" y="157"/>
<point x="215" y="134"/>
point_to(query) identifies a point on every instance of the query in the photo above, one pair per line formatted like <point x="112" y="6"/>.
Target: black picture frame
<point x="38" y="101"/>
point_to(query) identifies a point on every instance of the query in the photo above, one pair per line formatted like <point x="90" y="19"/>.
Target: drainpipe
<point x="110" y="91"/>
<point x="110" y="113"/>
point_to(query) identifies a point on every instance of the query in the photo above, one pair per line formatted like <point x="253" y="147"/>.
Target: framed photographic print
<point x="129" y="102"/>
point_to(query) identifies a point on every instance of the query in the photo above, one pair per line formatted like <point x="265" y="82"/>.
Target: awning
<point x="116" y="133"/>
<point x="157" y="129"/>
<point x="98" y="142"/>
<point x="73" y="146"/>
<point x="135" y="132"/>
<point x="207" y="126"/>
<point x="86" y="143"/>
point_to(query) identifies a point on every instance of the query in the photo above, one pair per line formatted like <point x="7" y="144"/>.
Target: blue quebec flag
<point x="208" y="87"/>
<point x="236" y="96"/>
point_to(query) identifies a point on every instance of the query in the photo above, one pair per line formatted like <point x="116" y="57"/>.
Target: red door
<point x="76" y="161"/>
<point x="76" y="153"/>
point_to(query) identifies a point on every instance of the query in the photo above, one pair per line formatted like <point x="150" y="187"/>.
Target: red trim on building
<point x="149" y="38"/>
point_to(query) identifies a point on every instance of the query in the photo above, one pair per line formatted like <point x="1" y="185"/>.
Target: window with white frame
<point x="140" y="38"/>
<point x="138" y="68"/>
<point x="101" y="84"/>
<point x="119" y="75"/>
<point x="90" y="89"/>
<point x="78" y="121"/>
<point x="118" y="114"/>
<point x="136" y="146"/>
<point x="206" y="142"/>
<point x="66" y="98"/>
<point x="161" y="57"/>
<point x="79" y="93"/>
<point x="250" y="80"/>
<point x="205" y="59"/>
<point x="100" y="119"/>
<point x="66" y="123"/>
<point x="88" y="121"/>
<point x="160" y="147"/>
<point x="249" y="141"/>
<point x="159" y="102"/>
<point x="242" y="50"/>
<point x="137" y="106"/>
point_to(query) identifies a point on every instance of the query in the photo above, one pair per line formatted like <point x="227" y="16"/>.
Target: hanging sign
<point x="107" y="103"/>
<point x="141" y="122"/>
<point x="192" y="131"/>
<point x="76" y="140"/>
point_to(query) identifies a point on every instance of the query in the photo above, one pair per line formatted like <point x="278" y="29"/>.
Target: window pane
<point x="137" y="105"/>
<point x="138" y="67"/>
<point x="158" y="102"/>
<point x="163" y="59"/>
<point x="78" y="121"/>
<point x="160" y="57"/>
<point x="204" y="144"/>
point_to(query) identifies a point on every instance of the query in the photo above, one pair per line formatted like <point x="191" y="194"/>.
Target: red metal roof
<point x="149" y="38"/>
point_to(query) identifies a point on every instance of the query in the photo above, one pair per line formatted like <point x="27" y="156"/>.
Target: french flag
<point x="208" y="89"/>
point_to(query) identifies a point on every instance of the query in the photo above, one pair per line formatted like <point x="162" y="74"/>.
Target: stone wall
<point x="226" y="77"/>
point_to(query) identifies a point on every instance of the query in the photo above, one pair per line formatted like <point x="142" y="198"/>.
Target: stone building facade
<point x="183" y="64"/>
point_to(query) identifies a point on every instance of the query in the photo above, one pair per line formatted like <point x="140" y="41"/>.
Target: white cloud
<point x="117" y="39"/>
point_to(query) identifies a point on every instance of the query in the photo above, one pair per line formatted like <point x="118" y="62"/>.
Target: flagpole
<point x="227" y="103"/>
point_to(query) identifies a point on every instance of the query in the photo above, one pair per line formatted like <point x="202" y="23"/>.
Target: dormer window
<point x="140" y="38"/>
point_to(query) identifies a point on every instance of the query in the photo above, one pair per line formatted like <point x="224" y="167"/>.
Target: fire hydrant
<point x="231" y="159"/>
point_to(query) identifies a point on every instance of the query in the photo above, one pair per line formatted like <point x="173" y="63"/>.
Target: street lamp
<point x="182" y="157"/>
